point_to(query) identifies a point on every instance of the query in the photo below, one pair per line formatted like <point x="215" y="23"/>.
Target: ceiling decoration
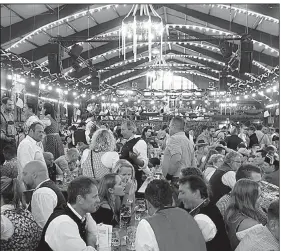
<point x="142" y="23"/>
<point x="200" y="28"/>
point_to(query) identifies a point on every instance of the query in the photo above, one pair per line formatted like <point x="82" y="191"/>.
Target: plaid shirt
<point x="259" y="239"/>
<point x="223" y="203"/>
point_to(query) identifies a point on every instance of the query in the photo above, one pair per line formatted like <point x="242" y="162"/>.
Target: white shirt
<point x="140" y="148"/>
<point x="208" y="173"/>
<point x="229" y="179"/>
<point x="29" y="150"/>
<point x="63" y="234"/>
<point x="145" y="237"/>
<point x="44" y="200"/>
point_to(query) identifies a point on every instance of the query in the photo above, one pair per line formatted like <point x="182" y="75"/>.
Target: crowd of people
<point x="217" y="190"/>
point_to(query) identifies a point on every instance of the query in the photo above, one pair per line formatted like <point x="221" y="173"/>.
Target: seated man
<point x="264" y="238"/>
<point x="10" y="166"/>
<point x="67" y="163"/>
<point x="193" y="192"/>
<point x="168" y="228"/>
<point x="73" y="228"/>
<point x="223" y="179"/>
<point x="53" y="168"/>
<point x="46" y="196"/>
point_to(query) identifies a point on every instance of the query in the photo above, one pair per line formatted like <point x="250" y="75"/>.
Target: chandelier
<point x="143" y="24"/>
<point x="160" y="75"/>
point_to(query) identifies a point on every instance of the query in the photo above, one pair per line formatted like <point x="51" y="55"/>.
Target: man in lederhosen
<point x="134" y="150"/>
<point x="7" y="125"/>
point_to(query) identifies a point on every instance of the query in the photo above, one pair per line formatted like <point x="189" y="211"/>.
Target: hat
<point x="201" y="142"/>
<point x="207" y="226"/>
<point x="244" y="152"/>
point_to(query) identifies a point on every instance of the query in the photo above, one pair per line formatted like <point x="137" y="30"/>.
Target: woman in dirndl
<point x="52" y="142"/>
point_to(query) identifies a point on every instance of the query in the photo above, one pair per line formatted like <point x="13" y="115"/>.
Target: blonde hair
<point x="124" y="163"/>
<point x="230" y="156"/>
<point x="103" y="141"/>
<point x="243" y="200"/>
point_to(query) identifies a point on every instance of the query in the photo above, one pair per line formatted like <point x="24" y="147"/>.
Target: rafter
<point x="258" y="56"/>
<point x="28" y="25"/>
<point x="93" y="31"/>
<point x="237" y="28"/>
<point x="17" y="14"/>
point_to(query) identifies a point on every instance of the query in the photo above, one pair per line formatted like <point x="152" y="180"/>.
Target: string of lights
<point x="244" y="11"/>
<point x="61" y="21"/>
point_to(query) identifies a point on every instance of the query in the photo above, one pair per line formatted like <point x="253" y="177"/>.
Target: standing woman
<point x="52" y="142"/>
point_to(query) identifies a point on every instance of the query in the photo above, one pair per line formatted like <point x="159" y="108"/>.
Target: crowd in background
<point x="218" y="190"/>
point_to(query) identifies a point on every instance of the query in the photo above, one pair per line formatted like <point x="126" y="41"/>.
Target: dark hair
<point x="273" y="210"/>
<point x="5" y="100"/>
<point x="196" y="183"/>
<point x="259" y="127"/>
<point x="10" y="151"/>
<point x="159" y="194"/>
<point x="164" y="127"/>
<point x="12" y="194"/>
<point x="245" y="171"/>
<point x="33" y="125"/>
<point x="49" y="109"/>
<point x="263" y="152"/>
<point x="31" y="106"/>
<point x="204" y="127"/>
<point x="252" y="128"/>
<point x="222" y="142"/>
<point x="188" y="171"/>
<point x="79" y="186"/>
<point x="210" y="127"/>
<point x="242" y="145"/>
<point x="82" y="123"/>
<point x="277" y="130"/>
<point x="144" y="131"/>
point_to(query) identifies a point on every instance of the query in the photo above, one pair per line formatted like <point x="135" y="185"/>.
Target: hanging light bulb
<point x="50" y="88"/>
<point x="32" y="83"/>
<point x="93" y="97"/>
<point x="74" y="94"/>
<point x="102" y="98"/>
<point x="65" y="92"/>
